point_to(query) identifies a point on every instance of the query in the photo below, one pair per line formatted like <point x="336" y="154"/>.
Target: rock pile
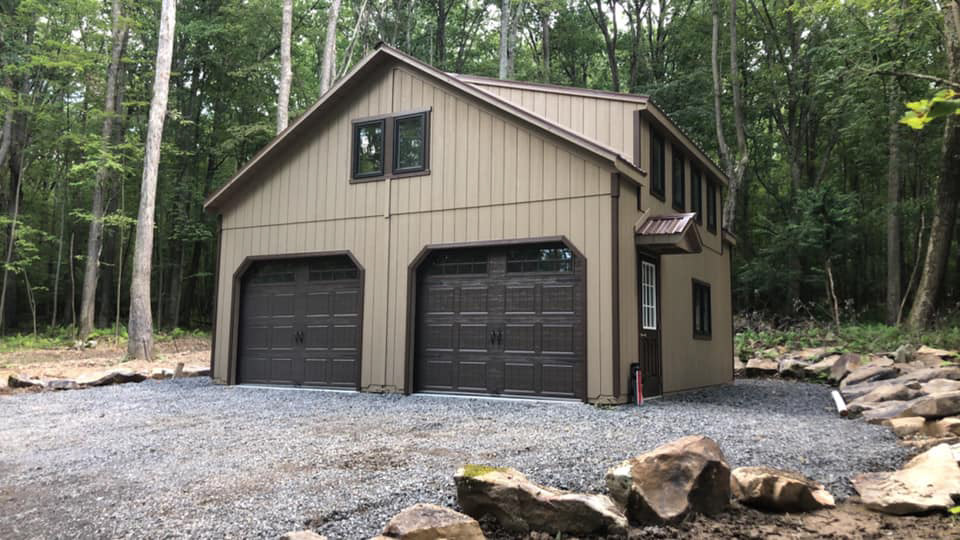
<point x="104" y="378"/>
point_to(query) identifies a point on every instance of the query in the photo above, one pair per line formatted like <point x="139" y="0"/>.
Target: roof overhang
<point x="384" y="54"/>
<point x="668" y="234"/>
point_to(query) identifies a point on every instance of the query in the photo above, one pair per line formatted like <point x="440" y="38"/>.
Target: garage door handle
<point x="499" y="337"/>
<point x="298" y="337"/>
<point x="493" y="337"/>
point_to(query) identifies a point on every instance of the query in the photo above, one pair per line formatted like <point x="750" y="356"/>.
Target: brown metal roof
<point x="383" y="53"/>
<point x="666" y="224"/>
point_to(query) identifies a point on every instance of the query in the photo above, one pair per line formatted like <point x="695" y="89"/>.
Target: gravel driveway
<point x="188" y="458"/>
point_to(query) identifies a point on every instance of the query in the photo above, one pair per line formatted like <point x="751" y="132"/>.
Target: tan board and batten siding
<point x="610" y="120"/>
<point x="490" y="179"/>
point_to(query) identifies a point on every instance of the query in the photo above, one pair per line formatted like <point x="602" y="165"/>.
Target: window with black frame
<point x="410" y="145"/>
<point x="368" y="148"/>
<point x="702" y="324"/>
<point x="696" y="193"/>
<point x="679" y="184"/>
<point x="711" y="206"/>
<point x="657" y="165"/>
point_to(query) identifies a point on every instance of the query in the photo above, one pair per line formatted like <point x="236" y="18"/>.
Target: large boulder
<point x="941" y="353"/>
<point x="913" y="378"/>
<point x="776" y="490"/>
<point x="521" y="506"/>
<point x="432" y="522"/>
<point x="302" y="535"/>
<point x="909" y="426"/>
<point x="905" y="353"/>
<point x="823" y="367"/>
<point x="762" y="367"/>
<point x="867" y="374"/>
<point x="689" y="475"/>
<point x="792" y="368"/>
<point x="843" y="366"/>
<point x="882" y="393"/>
<point x="945" y="427"/>
<point x="934" y="406"/>
<point x="940" y="386"/>
<point x="927" y="483"/>
<point x="24" y="381"/>
<point x="811" y="354"/>
<point x="114" y="376"/>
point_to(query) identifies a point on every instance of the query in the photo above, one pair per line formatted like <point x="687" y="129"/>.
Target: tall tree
<point x="948" y="188"/>
<point x="95" y="235"/>
<point x="507" y="39"/>
<point x="140" y="327"/>
<point x="735" y="165"/>
<point x="330" y="48"/>
<point x="286" y="71"/>
<point x="894" y="184"/>
<point x="611" y="33"/>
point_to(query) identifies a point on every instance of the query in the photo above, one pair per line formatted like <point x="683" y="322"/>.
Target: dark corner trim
<point x="615" y="277"/>
<point x="216" y="296"/>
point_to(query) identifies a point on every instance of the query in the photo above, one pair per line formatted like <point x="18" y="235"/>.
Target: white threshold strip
<point x="295" y="388"/>
<point x="512" y="399"/>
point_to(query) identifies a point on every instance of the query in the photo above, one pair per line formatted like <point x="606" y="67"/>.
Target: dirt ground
<point x="70" y="363"/>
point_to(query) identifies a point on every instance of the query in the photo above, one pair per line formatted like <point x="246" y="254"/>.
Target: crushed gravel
<point x="187" y="458"/>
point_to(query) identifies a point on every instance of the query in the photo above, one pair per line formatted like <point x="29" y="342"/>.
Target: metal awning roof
<point x="668" y="233"/>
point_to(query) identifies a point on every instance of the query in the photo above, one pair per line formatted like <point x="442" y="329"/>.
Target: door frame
<point x="655" y="259"/>
<point x="237" y="292"/>
<point x="413" y="270"/>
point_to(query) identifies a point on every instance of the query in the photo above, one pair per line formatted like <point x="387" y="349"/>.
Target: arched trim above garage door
<point x="418" y="261"/>
<point x="237" y="291"/>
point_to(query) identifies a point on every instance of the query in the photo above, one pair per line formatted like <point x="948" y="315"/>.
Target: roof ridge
<point x="559" y="88"/>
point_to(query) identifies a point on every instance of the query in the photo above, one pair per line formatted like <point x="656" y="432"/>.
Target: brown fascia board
<point x="376" y="57"/>
<point x="552" y="88"/>
<point x="654" y="113"/>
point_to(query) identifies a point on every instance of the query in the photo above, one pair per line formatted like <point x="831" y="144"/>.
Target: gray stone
<point x="823" y="367"/>
<point x="909" y="426"/>
<point x="940" y="386"/>
<point x="905" y="353"/>
<point x="762" y="367"/>
<point x="888" y="392"/>
<point x="927" y="483"/>
<point x="934" y="406"/>
<point x="913" y="379"/>
<point x="196" y="371"/>
<point x="520" y="506"/>
<point x="792" y="368"/>
<point x="432" y="522"/>
<point x="777" y="490"/>
<point x="867" y="374"/>
<point x="23" y="381"/>
<point x="688" y="475"/>
<point x="62" y="384"/>
<point x="944" y="427"/>
<point x="843" y="366"/>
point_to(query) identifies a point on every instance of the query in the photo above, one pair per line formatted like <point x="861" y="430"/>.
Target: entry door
<point x="503" y="320"/>
<point x="650" y="361"/>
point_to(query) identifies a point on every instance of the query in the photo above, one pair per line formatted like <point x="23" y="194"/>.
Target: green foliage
<point x="853" y="338"/>
<point x="944" y="103"/>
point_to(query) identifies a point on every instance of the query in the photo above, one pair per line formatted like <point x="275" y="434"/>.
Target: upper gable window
<point x="368" y="148"/>
<point x="394" y="146"/>
<point x="657" y="162"/>
<point x="696" y="193"/>
<point x="711" y="206"/>
<point x="679" y="182"/>
<point x="410" y="144"/>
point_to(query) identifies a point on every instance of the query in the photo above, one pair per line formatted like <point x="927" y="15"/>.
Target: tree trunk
<point x="948" y="190"/>
<point x="286" y="71"/>
<point x="735" y="165"/>
<point x="330" y="48"/>
<point x="95" y="235"/>
<point x="545" y="37"/>
<point x="609" y="37"/>
<point x="893" y="209"/>
<point x="140" y="327"/>
<point x="505" y="39"/>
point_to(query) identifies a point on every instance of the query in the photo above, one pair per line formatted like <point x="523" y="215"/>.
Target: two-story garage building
<point x="418" y="231"/>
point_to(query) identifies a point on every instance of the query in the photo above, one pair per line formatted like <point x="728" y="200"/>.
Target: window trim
<point x="355" y="127"/>
<point x="425" y="154"/>
<point x="678" y="167"/>
<point x="708" y="320"/>
<point x="660" y="192"/>
<point x="711" y="206"/>
<point x="387" y="169"/>
<point x="696" y="186"/>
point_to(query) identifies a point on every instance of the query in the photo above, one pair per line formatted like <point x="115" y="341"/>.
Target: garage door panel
<point x="519" y="338"/>
<point x="519" y="378"/>
<point x="301" y="323"/>
<point x="503" y="322"/>
<point x="559" y="379"/>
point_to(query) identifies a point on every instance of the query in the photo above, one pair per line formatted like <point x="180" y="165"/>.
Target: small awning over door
<point x="668" y="234"/>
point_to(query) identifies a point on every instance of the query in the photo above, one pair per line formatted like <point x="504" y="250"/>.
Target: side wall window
<point x="711" y="206"/>
<point x="702" y="323"/>
<point x="679" y="191"/>
<point x="696" y="193"/>
<point x="657" y="165"/>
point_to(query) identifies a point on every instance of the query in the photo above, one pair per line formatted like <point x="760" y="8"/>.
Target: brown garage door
<point x="504" y="320"/>
<point x="300" y="323"/>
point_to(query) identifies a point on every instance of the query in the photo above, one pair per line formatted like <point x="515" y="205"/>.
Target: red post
<point x="639" y="383"/>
